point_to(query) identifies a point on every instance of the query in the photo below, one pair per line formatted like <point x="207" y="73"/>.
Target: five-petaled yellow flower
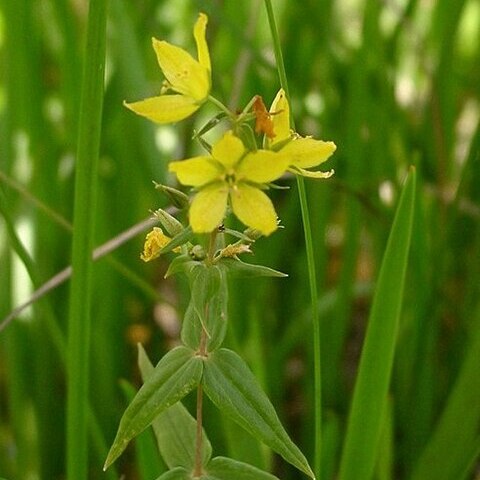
<point x="188" y="78"/>
<point x="231" y="174"/>
<point x="304" y="152"/>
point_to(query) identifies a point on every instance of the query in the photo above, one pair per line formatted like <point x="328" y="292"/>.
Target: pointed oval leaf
<point x="175" y="429"/>
<point x="225" y="468"/>
<point x="371" y="388"/>
<point x="178" y="473"/>
<point x="177" y="374"/>
<point x="146" y="452"/>
<point x="233" y="388"/>
<point x="239" y="268"/>
<point x="207" y="308"/>
<point x="181" y="263"/>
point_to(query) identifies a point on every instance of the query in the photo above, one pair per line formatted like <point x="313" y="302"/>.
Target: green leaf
<point x="233" y="389"/>
<point x="227" y="469"/>
<point x="178" y="240"/>
<point x="147" y="457"/>
<point x="181" y="263"/>
<point x="177" y="374"/>
<point x="178" y="473"/>
<point x="241" y="269"/>
<point x="371" y="389"/>
<point x="455" y="439"/>
<point x="175" y="429"/>
<point x="207" y="308"/>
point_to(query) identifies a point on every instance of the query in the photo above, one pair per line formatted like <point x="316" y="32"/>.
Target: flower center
<point x="230" y="179"/>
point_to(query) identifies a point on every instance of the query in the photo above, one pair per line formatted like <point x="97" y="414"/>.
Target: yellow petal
<point x="262" y="166"/>
<point x="308" y="152"/>
<point x="280" y="111"/>
<point x="208" y="208"/>
<point x="310" y="173"/>
<point x="165" y="108"/>
<point x="195" y="171"/>
<point x="154" y="242"/>
<point x="202" y="46"/>
<point x="253" y="208"/>
<point x="228" y="150"/>
<point x="182" y="71"/>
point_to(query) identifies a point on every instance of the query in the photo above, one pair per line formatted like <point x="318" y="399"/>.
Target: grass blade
<point x="84" y="207"/>
<point x="369" y="400"/>
<point x="448" y="453"/>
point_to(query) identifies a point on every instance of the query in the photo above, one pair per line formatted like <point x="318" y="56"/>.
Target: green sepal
<point x="207" y="308"/>
<point x="177" y="374"/>
<point x="232" y="387"/>
<point x="247" y="135"/>
<point x="274" y="186"/>
<point x="178" y="473"/>
<point x="175" y="429"/>
<point x="223" y="468"/>
<point x="238" y="268"/>
<point x="178" y="240"/>
<point x="212" y="123"/>
<point x="240" y="235"/>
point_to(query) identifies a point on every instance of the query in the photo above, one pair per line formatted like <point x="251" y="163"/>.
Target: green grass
<point x="394" y="85"/>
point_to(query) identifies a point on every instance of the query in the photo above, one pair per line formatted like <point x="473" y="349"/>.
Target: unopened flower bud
<point x="197" y="253"/>
<point x="169" y="223"/>
<point x="252" y="233"/>
<point x="235" y="249"/>
<point x="178" y="198"/>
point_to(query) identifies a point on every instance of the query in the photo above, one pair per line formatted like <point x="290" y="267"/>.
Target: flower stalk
<point x="312" y="279"/>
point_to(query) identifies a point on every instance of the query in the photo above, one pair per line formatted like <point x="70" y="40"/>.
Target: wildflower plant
<point x="255" y="148"/>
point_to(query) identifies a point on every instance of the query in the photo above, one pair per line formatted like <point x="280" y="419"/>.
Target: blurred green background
<point x="393" y="84"/>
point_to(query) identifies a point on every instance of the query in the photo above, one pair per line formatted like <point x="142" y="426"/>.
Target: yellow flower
<point x="231" y="174"/>
<point x="304" y="152"/>
<point x="188" y="78"/>
<point x="154" y="242"/>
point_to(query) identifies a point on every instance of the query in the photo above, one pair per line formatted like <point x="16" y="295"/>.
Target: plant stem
<point x="198" y="445"/>
<point x="202" y="351"/>
<point x="310" y="256"/>
<point x="220" y="105"/>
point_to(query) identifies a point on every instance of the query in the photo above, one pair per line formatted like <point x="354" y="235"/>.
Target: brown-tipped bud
<point x="178" y="198"/>
<point x="234" y="249"/>
<point x="169" y="223"/>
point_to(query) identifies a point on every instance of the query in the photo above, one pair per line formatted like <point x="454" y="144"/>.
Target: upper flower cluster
<point x="231" y="174"/>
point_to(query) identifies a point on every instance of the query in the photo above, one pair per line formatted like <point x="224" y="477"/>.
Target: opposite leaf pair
<point x="229" y="384"/>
